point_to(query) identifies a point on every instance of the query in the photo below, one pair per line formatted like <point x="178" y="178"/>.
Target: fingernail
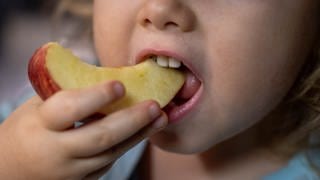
<point x="154" y="111"/>
<point x="118" y="89"/>
<point x="161" y="122"/>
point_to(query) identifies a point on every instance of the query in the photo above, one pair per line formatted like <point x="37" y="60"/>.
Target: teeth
<point x="173" y="63"/>
<point x="164" y="61"/>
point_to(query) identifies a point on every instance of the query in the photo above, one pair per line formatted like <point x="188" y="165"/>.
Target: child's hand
<point x="37" y="141"/>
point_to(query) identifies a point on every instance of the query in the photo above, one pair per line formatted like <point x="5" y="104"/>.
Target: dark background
<point x="24" y="26"/>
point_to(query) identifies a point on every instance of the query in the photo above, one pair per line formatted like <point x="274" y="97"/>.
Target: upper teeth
<point x="165" y="61"/>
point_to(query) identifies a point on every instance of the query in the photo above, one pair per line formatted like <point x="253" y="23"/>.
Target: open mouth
<point x="188" y="95"/>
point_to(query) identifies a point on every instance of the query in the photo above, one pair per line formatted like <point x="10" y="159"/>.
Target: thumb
<point x="63" y="109"/>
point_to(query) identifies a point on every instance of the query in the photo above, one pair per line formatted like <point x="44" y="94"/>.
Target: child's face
<point x="247" y="54"/>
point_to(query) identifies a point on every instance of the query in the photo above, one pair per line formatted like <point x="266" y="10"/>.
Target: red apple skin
<point x="39" y="75"/>
<point x="41" y="80"/>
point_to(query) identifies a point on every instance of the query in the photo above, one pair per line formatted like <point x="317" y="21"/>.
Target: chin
<point x="172" y="143"/>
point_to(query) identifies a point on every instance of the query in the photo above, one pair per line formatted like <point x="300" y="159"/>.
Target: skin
<point x="38" y="137"/>
<point x="246" y="52"/>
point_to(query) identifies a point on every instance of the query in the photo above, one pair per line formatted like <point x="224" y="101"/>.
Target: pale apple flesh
<point x="54" y="68"/>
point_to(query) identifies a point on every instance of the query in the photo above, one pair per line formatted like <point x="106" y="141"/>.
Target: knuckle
<point x="139" y="114"/>
<point x="138" y="119"/>
<point x="63" y="94"/>
<point x="68" y="107"/>
<point x="103" y="138"/>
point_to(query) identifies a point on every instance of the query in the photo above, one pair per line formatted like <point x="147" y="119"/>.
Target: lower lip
<point x="176" y="113"/>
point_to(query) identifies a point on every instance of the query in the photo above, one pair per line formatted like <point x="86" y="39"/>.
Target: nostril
<point x="167" y="13"/>
<point x="147" y="21"/>
<point x="164" y="25"/>
<point x="170" y="24"/>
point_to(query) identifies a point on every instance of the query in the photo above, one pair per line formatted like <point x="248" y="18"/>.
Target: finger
<point x="112" y="154"/>
<point x="29" y="107"/>
<point x="31" y="103"/>
<point x="62" y="110"/>
<point x="34" y="101"/>
<point x="113" y="129"/>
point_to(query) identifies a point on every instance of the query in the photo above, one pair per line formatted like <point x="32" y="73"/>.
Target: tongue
<point x="190" y="86"/>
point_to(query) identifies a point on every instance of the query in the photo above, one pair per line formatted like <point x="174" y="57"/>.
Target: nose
<point x="164" y="14"/>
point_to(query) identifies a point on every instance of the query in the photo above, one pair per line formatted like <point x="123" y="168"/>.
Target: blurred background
<point x="25" y="26"/>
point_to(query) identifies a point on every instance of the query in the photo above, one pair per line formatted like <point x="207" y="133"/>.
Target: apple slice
<point x="53" y="68"/>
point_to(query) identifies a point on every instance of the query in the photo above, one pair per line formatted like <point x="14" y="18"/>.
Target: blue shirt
<point x="298" y="168"/>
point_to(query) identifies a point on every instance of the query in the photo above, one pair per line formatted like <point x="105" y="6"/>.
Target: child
<point x="247" y="111"/>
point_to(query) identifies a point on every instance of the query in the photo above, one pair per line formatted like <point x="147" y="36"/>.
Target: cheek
<point x="250" y="67"/>
<point x="109" y="45"/>
<point x="251" y="84"/>
<point x="249" y="78"/>
<point x="235" y="98"/>
<point x="254" y="61"/>
<point x="113" y="31"/>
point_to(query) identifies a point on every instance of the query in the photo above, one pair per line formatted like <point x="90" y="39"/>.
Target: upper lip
<point x="144" y="54"/>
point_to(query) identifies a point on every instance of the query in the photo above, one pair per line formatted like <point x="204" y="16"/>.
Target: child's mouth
<point x="188" y="95"/>
<point x="186" y="98"/>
